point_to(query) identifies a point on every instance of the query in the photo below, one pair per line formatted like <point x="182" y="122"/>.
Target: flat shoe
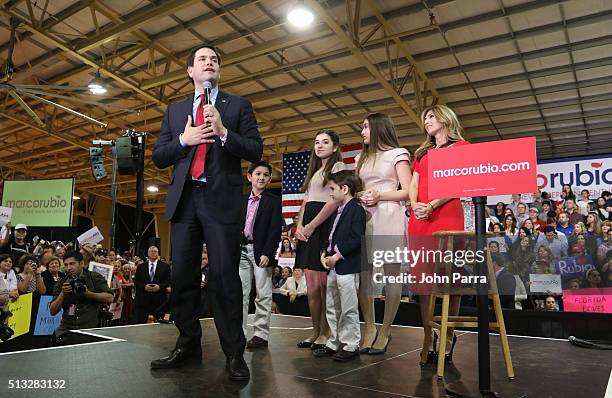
<point x="304" y="344"/>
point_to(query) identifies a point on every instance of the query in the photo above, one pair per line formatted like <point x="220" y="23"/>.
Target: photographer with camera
<point x="80" y="294"/>
<point x="30" y="280"/>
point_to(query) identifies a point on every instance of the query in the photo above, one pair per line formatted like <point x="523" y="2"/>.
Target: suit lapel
<point x="186" y="108"/>
<point x="221" y="102"/>
<point x="346" y="210"/>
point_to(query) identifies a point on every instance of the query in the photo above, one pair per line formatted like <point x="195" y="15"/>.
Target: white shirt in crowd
<point x="291" y="285"/>
<point x="10" y="279"/>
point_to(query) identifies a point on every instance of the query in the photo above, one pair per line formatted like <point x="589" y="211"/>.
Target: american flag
<point x="295" y="166"/>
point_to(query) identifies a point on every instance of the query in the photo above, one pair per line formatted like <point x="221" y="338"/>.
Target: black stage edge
<point x="544" y="367"/>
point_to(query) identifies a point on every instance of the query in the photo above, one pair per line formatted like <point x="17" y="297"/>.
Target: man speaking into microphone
<point x="204" y="138"/>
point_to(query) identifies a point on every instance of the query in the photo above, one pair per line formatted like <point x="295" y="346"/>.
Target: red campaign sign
<point x="588" y="300"/>
<point x="486" y="169"/>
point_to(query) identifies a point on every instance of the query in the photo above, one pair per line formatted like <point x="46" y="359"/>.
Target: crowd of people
<point x="568" y="237"/>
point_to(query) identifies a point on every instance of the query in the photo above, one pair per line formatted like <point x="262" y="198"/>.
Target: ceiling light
<point x="300" y="16"/>
<point x="152" y="188"/>
<point x="96" y="86"/>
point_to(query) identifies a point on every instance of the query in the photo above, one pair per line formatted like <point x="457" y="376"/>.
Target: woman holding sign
<point x="442" y="130"/>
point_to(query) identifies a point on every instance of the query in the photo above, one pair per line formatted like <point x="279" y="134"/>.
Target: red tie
<point x="197" y="166"/>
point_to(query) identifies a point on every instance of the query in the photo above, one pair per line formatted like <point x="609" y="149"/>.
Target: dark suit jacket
<point x="506" y="286"/>
<point x="347" y="236"/>
<point x="142" y="278"/>
<point x="268" y="225"/>
<point x="223" y="169"/>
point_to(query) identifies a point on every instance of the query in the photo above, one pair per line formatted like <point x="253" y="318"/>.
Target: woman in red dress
<point x="442" y="130"/>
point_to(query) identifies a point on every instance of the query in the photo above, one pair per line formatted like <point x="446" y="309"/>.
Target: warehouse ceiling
<point x="509" y="68"/>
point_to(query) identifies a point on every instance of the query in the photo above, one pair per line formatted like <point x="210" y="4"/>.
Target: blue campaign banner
<point x="45" y="322"/>
<point x="574" y="267"/>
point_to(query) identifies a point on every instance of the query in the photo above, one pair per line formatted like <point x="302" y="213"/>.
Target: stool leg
<point x="499" y="316"/>
<point x="443" y="332"/>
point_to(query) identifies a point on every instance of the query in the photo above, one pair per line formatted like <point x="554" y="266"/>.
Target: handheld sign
<point x="5" y="215"/>
<point x="91" y="236"/>
<point x="486" y="169"/>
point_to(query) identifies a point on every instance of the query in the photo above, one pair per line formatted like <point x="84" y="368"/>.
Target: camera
<point x="5" y="331"/>
<point x="78" y="285"/>
<point x="34" y="264"/>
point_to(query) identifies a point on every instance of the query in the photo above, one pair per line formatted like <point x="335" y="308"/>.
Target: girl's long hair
<point x="448" y="118"/>
<point x="316" y="162"/>
<point x="382" y="137"/>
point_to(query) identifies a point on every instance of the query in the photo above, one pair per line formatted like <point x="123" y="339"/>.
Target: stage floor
<point x="120" y="367"/>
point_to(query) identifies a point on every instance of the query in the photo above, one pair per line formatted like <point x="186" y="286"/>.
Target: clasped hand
<point x="421" y="210"/>
<point x="369" y="197"/>
<point x="205" y="133"/>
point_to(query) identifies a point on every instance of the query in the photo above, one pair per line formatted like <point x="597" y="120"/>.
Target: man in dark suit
<point x="203" y="204"/>
<point x="151" y="280"/>
<point x="506" y="283"/>
<point x="262" y="224"/>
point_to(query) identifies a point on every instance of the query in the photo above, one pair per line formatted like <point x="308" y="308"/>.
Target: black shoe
<point x="378" y="351"/>
<point x="304" y="344"/>
<point x="345" y="356"/>
<point x="178" y="357"/>
<point x="257" y="342"/>
<point x="432" y="355"/>
<point x="366" y="350"/>
<point x="315" y="347"/>
<point x="162" y="320"/>
<point x="448" y="357"/>
<point x="324" y="352"/>
<point x="237" y="368"/>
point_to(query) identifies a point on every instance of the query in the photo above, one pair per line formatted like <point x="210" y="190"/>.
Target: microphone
<point x="581" y="343"/>
<point x="207" y="89"/>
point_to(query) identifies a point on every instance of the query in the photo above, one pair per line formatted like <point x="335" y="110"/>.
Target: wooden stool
<point x="443" y="322"/>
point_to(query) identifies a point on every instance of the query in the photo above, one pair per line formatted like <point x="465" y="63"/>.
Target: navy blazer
<point x="223" y="162"/>
<point x="347" y="236"/>
<point x="142" y="278"/>
<point x="268" y="225"/>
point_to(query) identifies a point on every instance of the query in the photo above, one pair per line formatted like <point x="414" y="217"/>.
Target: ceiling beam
<point x="154" y="12"/>
<point x="358" y="53"/>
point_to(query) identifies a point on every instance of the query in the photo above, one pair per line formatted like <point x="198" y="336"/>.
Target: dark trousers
<point x="151" y="306"/>
<point x="193" y="224"/>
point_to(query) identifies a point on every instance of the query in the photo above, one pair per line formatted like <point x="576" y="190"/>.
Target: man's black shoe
<point x="324" y="352"/>
<point x="345" y="356"/>
<point x="257" y="342"/>
<point x="178" y="357"/>
<point x="237" y="368"/>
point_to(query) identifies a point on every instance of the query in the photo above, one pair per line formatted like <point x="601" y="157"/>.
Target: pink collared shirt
<point x="252" y="207"/>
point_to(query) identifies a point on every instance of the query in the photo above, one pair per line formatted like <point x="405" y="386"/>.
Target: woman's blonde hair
<point x="382" y="137"/>
<point x="448" y="118"/>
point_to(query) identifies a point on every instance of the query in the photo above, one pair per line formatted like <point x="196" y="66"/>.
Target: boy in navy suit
<point x="262" y="224"/>
<point x="342" y="257"/>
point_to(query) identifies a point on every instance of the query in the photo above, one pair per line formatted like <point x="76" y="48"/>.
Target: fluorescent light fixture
<point x="152" y="188"/>
<point x="300" y="16"/>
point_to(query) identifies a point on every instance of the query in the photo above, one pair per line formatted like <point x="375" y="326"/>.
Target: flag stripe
<point x="295" y="166"/>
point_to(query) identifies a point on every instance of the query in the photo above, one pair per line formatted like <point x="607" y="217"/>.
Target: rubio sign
<point x="57" y="201"/>
<point x="592" y="173"/>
